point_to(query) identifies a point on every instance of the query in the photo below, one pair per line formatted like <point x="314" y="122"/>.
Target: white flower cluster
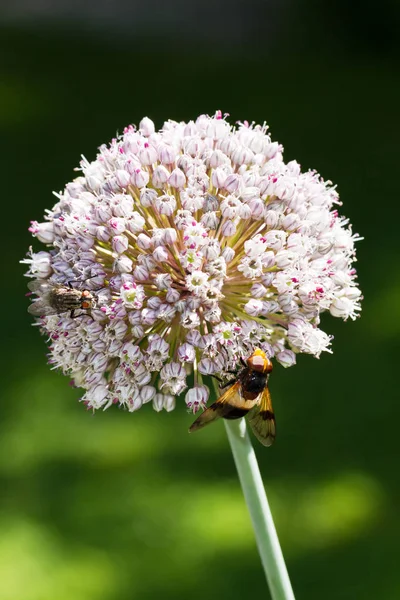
<point x="199" y="244"/>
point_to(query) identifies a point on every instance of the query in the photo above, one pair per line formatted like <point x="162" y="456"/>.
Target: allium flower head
<point x="200" y="244"/>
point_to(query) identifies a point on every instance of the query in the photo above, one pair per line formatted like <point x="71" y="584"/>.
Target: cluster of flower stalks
<point x="199" y="244"/>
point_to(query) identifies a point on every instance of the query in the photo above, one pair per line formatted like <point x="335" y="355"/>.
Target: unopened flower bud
<point x="139" y="178"/>
<point x="147" y="393"/>
<point x="160" y="176"/>
<point x="120" y="243"/>
<point x="232" y="183"/>
<point x="186" y="353"/>
<point x="123" y="264"/>
<point x="102" y="233"/>
<point x="291" y="222"/>
<point x="210" y="220"/>
<point x="169" y="235"/>
<point x="146" y="127"/>
<point x="116" y="225"/>
<point x="228" y="254"/>
<point x="257" y="208"/>
<point x="177" y="179"/>
<point x="122" y="177"/>
<point x="206" y="366"/>
<point x="102" y="213"/>
<point x="163" y="281"/>
<point x="218" y="178"/>
<point x="44" y="232"/>
<point x="169" y="402"/>
<point x="287" y="358"/>
<point x="144" y="241"/>
<point x="228" y="228"/>
<point x="245" y="212"/>
<point x="271" y="218"/>
<point x="135" y="223"/>
<point x="160" y="254"/>
<point x="158" y="402"/>
<point x="147" y="197"/>
<point x="166" y="154"/>
<point x="253" y="307"/>
<point x="193" y="145"/>
<point x="190" y="129"/>
<point x="165" y="204"/>
<point x="148" y="155"/>
<point x="140" y="273"/>
<point x="212" y="249"/>
<point x="172" y="296"/>
<point x="258" y="290"/>
<point x="217" y="159"/>
<point x="242" y="155"/>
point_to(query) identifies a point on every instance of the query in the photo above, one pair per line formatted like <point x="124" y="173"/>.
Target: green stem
<point x="260" y="512"/>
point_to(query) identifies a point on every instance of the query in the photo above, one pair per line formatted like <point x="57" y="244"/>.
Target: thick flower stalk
<point x="199" y="244"/>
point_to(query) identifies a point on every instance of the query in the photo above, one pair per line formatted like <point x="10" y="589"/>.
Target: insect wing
<point x="262" y="419"/>
<point x="43" y="286"/>
<point x="226" y="405"/>
<point x="218" y="409"/>
<point x="40" y="308"/>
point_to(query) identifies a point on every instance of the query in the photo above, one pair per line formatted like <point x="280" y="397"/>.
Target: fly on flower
<point x="248" y="395"/>
<point x="55" y="299"/>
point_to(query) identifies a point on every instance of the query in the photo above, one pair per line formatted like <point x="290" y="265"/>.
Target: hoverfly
<point x="54" y="299"/>
<point x="249" y="395"/>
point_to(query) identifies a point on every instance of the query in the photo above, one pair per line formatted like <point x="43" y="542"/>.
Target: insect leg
<point x="81" y="281"/>
<point x="216" y="377"/>
<point x="82" y="314"/>
<point x="222" y="385"/>
<point x="231" y="382"/>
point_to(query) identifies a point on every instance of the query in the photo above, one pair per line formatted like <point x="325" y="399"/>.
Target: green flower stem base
<point x="261" y="517"/>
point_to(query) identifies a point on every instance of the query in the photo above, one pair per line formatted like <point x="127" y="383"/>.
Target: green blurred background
<point x="129" y="506"/>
